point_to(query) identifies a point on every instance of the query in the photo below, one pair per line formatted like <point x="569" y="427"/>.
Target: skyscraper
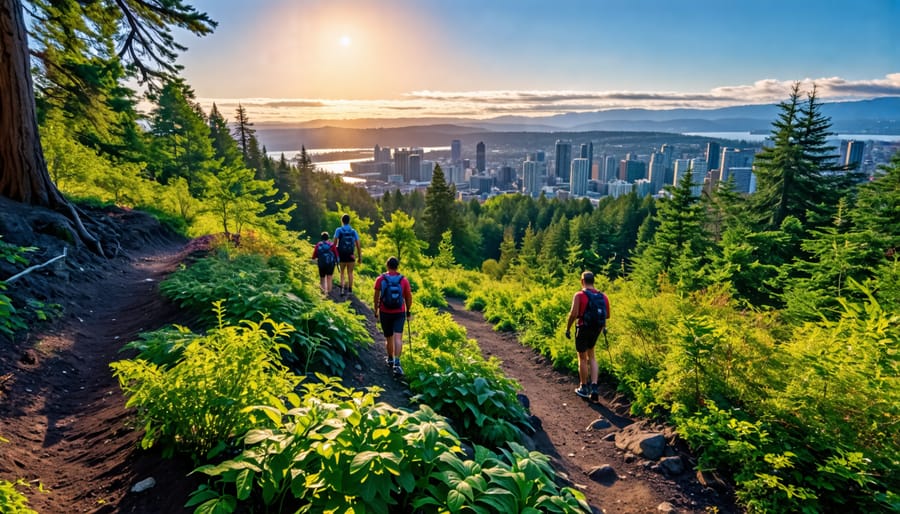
<point x="853" y="153"/>
<point x="657" y="171"/>
<point x="587" y="152"/>
<point x="479" y="157"/>
<point x="455" y="151"/>
<point x="712" y="156"/>
<point x="531" y="183"/>
<point x="563" y="158"/>
<point x="733" y="158"/>
<point x="578" y="177"/>
<point x="401" y="163"/>
<point x="681" y="166"/>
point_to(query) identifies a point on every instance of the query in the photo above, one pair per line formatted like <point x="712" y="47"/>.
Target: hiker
<point x="591" y="308"/>
<point x="326" y="254"/>
<point x="347" y="241"/>
<point x="393" y="298"/>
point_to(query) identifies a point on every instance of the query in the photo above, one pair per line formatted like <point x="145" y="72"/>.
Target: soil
<point x="72" y="438"/>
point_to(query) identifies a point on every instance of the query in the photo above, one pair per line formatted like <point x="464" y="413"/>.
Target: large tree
<point x="147" y="45"/>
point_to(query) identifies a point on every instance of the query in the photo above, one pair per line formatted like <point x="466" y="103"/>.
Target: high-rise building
<point x="733" y="158"/>
<point x="401" y="163"/>
<point x="632" y="169"/>
<point x="531" y="180"/>
<point x="587" y="152"/>
<point x="505" y="176"/>
<point x="853" y="153"/>
<point x="712" y="156"/>
<point x="744" y="179"/>
<point x="657" y="171"/>
<point x="698" y="169"/>
<point x="480" y="164"/>
<point x="563" y="158"/>
<point x="578" y="177"/>
<point x="414" y="167"/>
<point x="610" y="168"/>
<point x="455" y="151"/>
<point x="679" y="168"/>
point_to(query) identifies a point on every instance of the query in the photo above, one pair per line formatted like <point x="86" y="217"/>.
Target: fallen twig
<point x="36" y="267"/>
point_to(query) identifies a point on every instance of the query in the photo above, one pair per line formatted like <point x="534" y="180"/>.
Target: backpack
<point x="594" y="316"/>
<point x="391" y="291"/>
<point x="346" y="243"/>
<point x="325" y="255"/>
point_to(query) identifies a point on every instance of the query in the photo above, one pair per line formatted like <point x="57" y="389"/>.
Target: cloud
<point x="489" y="103"/>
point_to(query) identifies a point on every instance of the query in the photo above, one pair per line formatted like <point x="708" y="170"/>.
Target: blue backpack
<point x="325" y="254"/>
<point x="594" y="317"/>
<point x="391" y="291"/>
<point x="346" y="243"/>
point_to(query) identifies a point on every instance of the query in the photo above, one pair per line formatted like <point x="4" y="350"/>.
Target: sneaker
<point x="398" y="371"/>
<point x="583" y="391"/>
<point x="349" y="290"/>
<point x="595" y="393"/>
<point x="390" y="362"/>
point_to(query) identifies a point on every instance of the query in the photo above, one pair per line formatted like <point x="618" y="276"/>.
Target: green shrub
<point x="11" y="500"/>
<point x="196" y="402"/>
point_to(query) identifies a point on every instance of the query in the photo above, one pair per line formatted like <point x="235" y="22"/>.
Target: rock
<point x="599" y="424"/>
<point x="29" y="357"/>
<point x="672" y="465"/>
<point x="604" y="474"/>
<point x="524" y="400"/>
<point x="609" y="437"/>
<point x="650" y="445"/>
<point x="143" y="485"/>
<point x="667" y="508"/>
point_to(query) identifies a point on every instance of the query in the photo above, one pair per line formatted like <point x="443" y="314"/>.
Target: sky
<point x="302" y="60"/>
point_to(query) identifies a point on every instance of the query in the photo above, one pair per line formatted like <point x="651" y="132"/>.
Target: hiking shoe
<point x="398" y="371"/>
<point x="390" y="362"/>
<point x="595" y="393"/>
<point x="583" y="391"/>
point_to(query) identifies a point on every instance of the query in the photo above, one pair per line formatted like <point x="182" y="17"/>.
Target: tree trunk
<point x="23" y="170"/>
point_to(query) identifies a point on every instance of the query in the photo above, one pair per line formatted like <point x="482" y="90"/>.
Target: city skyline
<point x="295" y="61"/>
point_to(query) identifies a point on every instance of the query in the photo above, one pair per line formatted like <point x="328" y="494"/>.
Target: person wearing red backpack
<point x="326" y="255"/>
<point x="591" y="309"/>
<point x="393" y="298"/>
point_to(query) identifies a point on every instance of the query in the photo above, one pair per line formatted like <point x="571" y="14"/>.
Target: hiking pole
<point x="608" y="352"/>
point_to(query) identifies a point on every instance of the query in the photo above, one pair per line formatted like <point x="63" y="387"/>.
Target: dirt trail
<point x="574" y="448"/>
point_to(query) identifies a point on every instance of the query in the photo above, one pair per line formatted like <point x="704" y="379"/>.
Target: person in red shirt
<point x="327" y="256"/>
<point x="393" y="298"/>
<point x="586" y="336"/>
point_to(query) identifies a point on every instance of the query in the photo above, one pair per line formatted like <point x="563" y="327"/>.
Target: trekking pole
<point x="608" y="351"/>
<point x="408" y="329"/>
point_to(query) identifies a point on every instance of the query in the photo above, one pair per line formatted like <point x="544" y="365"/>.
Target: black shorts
<point x="392" y="323"/>
<point x="347" y="258"/>
<point x="325" y="271"/>
<point x="585" y="339"/>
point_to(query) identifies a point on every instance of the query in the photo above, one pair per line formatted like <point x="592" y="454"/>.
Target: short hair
<point x="393" y="263"/>
<point x="324" y="236"/>
<point x="345" y="219"/>
<point x="588" y="278"/>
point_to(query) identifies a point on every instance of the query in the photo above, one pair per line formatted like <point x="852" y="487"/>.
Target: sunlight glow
<point x="345" y="41"/>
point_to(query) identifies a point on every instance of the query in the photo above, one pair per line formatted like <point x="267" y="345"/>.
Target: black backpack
<point x="346" y="243"/>
<point x="594" y="317"/>
<point x="325" y="254"/>
<point x="391" y="291"/>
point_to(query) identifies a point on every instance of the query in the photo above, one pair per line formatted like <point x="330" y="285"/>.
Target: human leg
<point x="350" y="266"/>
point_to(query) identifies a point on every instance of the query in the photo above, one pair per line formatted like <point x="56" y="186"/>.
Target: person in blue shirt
<point x="349" y="253"/>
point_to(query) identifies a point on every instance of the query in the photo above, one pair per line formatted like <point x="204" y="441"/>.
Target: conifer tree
<point x="224" y="145"/>
<point x="440" y="209"/>
<point x="798" y="175"/>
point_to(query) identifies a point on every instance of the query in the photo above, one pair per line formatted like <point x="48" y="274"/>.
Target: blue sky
<point x="294" y="60"/>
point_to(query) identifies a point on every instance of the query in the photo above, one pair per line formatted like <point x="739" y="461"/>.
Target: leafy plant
<point x="12" y="500"/>
<point x="196" y="402"/>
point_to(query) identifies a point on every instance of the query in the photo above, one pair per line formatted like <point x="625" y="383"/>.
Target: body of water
<point x="747" y="136"/>
<point x="341" y="166"/>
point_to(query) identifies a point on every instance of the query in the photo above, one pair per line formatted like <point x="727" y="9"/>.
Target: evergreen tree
<point x="877" y="210"/>
<point x="224" y="145"/>
<point x="398" y="238"/>
<point x="445" y="259"/>
<point x="679" y="238"/>
<point x="244" y="133"/>
<point x="798" y="176"/>
<point x="440" y="209"/>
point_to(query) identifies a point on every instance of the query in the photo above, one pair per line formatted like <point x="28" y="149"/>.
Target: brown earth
<point x="70" y="433"/>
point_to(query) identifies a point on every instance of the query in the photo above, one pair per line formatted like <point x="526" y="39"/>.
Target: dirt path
<point x="574" y="448"/>
<point x="62" y="410"/>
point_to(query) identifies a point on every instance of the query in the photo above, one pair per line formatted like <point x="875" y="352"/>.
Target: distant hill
<point x="877" y="116"/>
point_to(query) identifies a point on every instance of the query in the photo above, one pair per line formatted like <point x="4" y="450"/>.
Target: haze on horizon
<point x="301" y="60"/>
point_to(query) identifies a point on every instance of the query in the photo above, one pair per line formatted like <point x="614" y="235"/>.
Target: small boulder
<point x="599" y="424"/>
<point x="666" y="508"/>
<point x="143" y="485"/>
<point x="603" y="474"/>
<point x="650" y="445"/>
<point x="672" y="465"/>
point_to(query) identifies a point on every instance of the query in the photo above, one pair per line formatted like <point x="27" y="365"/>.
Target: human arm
<point x="376" y="300"/>
<point x="573" y="315"/>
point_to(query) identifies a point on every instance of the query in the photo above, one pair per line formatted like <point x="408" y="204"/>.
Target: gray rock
<point x="599" y="424"/>
<point x="143" y="485"/>
<point x="650" y="445"/>
<point x="603" y="474"/>
<point x="672" y="465"/>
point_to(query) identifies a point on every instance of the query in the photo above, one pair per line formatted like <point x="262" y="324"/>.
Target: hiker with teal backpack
<point x="349" y="253"/>
<point x="393" y="298"/>
<point x="326" y="256"/>
<point x="591" y="309"/>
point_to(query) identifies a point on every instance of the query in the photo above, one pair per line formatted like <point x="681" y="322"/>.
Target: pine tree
<point x="440" y="210"/>
<point x="798" y="175"/>
<point x="224" y="145"/>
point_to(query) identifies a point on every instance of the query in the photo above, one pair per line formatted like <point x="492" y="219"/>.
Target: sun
<point x="345" y="40"/>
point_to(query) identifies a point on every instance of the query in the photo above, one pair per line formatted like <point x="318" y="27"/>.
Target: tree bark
<point x="23" y="169"/>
